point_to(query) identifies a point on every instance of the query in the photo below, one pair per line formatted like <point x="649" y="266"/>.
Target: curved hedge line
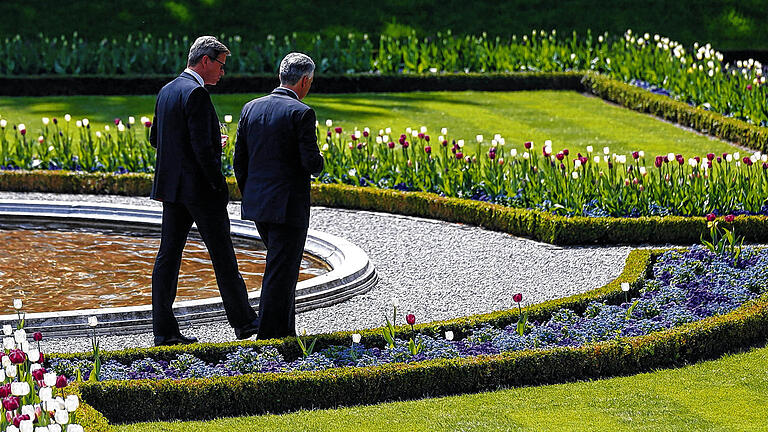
<point x="139" y="400"/>
<point x="665" y="107"/>
<point x="542" y="226"/>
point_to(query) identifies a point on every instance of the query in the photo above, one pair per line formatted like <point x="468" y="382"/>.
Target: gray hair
<point x="295" y="66"/>
<point x="205" y="46"/>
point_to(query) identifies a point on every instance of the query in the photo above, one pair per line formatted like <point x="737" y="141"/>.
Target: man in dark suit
<point x="189" y="182"/>
<point x="275" y="154"/>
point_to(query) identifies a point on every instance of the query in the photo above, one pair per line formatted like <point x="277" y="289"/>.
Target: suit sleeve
<point x="240" y="161"/>
<point x="207" y="154"/>
<point x="311" y="158"/>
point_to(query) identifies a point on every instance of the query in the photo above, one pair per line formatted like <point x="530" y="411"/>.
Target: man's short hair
<point x="295" y="66"/>
<point x="205" y="46"/>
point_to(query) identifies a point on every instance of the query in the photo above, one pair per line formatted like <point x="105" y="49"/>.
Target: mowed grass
<point x="571" y="120"/>
<point x="728" y="394"/>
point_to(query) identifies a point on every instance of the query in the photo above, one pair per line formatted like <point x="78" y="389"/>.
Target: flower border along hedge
<point x="147" y="400"/>
<point x="539" y="225"/>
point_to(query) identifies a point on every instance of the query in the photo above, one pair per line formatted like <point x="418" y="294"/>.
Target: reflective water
<point x="83" y="269"/>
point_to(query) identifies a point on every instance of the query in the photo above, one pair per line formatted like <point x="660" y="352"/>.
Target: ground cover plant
<point x="698" y="75"/>
<point x="720" y="394"/>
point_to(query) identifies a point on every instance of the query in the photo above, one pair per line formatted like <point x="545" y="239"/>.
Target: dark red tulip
<point x="765" y="165"/>
<point x="749" y="86"/>
<point x="710" y="156"/>
<point x="711" y="217"/>
<point x="426" y="138"/>
<point x="492" y="155"/>
<point x="445" y="143"/>
<point x="405" y="144"/>
<point x="560" y="156"/>
<point x="528" y="145"/>
<point x="747" y="161"/>
<point x="147" y="124"/>
<point x="517" y="297"/>
<point x="360" y="146"/>
<point x="566" y="152"/>
<point x="428" y="149"/>
<point x="354" y="138"/>
<point x="730" y="218"/>
<point x="329" y="133"/>
<point x="659" y="161"/>
<point x="365" y="134"/>
<point x="391" y="144"/>
<point x="18" y="418"/>
<point x="117" y="121"/>
<point x="410" y="319"/>
<point x="421" y="136"/>
<point x="61" y="381"/>
<point x="5" y="390"/>
<point x="402" y="139"/>
<point x="698" y="159"/>
<point x="635" y="155"/>
<point x="38" y="373"/>
<point x="23" y="132"/>
<point x="338" y="130"/>
<point x="10" y="403"/>
<point x="37" y="336"/>
<point x="459" y="155"/>
<point x="17" y="356"/>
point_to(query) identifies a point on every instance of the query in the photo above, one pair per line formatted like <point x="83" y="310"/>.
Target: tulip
<point x="45" y="393"/>
<point x="625" y="286"/>
<point x="147" y="124"/>
<point x="391" y="144"/>
<point x="74" y="428"/>
<point x="729" y="218"/>
<point x="17" y="304"/>
<point x="5" y="390"/>
<point x="449" y="335"/>
<point x="17" y="356"/>
<point x="479" y="138"/>
<point x="517" y="297"/>
<point x="61" y="381"/>
<point x="356" y="337"/>
<point x="410" y="319"/>
<point x="20" y="388"/>
<point x="71" y="403"/>
<point x="7" y="330"/>
<point x="93" y="321"/>
<point x="228" y="118"/>
<point x="428" y="149"/>
<point x="711" y="217"/>
<point x="528" y="145"/>
<point x="10" y="403"/>
<point x="49" y="379"/>
<point x="62" y="417"/>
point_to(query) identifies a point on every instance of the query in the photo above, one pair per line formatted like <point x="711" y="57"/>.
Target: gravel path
<point x="437" y="270"/>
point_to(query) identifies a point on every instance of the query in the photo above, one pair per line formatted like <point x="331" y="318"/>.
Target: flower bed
<point x="681" y="279"/>
<point x="687" y="287"/>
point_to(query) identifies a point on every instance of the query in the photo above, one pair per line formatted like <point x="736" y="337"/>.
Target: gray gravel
<point x="436" y="270"/>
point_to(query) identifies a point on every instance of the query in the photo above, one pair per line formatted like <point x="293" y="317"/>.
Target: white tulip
<point x="11" y="371"/>
<point x="3" y="123"/>
<point x="643" y="171"/>
<point x="358" y="134"/>
<point x="98" y="134"/>
<point x="625" y="286"/>
<point x="513" y="152"/>
<point x="6" y="360"/>
<point x="596" y="159"/>
<point x="34" y="355"/>
<point x="589" y="149"/>
<point x="46" y="120"/>
<point x="378" y="140"/>
<point x="26" y="426"/>
<point x="49" y="379"/>
<point x="131" y="120"/>
<point x="408" y="131"/>
<point x="460" y="143"/>
<point x="449" y="335"/>
<point x="479" y="138"/>
<point x="51" y="148"/>
<point x="356" y="337"/>
<point x="106" y="127"/>
<point x="526" y="155"/>
<point x="423" y="129"/>
<point x="21" y="127"/>
<point x="575" y="175"/>
<point x="79" y="123"/>
<point x="74" y="428"/>
<point x="228" y="118"/>
<point x="17" y="304"/>
<point x="9" y="343"/>
<point x="62" y="417"/>
<point x="325" y="147"/>
<point x="53" y="427"/>
<point x="20" y="335"/>
<point x="444" y="131"/>
<point x="120" y="127"/>
<point x="641" y="153"/>
<point x="440" y="138"/>
<point x="737" y="155"/>
<point x="329" y="123"/>
<point x="24" y="346"/>
<point x="46" y="394"/>
<point x="93" y="321"/>
<point x="388" y="131"/>
<point x="415" y="133"/>
<point x="71" y="403"/>
<point x="395" y="302"/>
<point x="606" y="150"/>
<point x="577" y="164"/>
<point x="85" y="122"/>
<point x="7" y="330"/>
<point x="381" y="132"/>
<point x="692" y="162"/>
<point x="28" y="410"/>
<point x="144" y="119"/>
<point x="729" y="158"/>
<point x="670" y="157"/>
<point x="12" y="428"/>
<point x="42" y="429"/>
<point x="67" y="117"/>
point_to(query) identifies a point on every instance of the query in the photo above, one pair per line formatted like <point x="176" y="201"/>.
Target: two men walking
<point x="275" y="155"/>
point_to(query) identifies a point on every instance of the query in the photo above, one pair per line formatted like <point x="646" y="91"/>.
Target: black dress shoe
<point x="247" y="331"/>
<point x="174" y="340"/>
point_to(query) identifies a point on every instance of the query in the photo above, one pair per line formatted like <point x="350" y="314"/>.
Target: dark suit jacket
<point x="186" y="133"/>
<point x="275" y="154"/>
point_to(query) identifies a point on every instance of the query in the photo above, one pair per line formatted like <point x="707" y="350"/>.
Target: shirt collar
<point x="195" y="75"/>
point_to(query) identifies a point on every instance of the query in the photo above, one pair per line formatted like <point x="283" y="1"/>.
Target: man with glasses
<point x="189" y="182"/>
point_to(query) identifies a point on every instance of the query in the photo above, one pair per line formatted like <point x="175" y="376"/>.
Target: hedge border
<point x="190" y="399"/>
<point x="539" y="225"/>
<point x="665" y="107"/>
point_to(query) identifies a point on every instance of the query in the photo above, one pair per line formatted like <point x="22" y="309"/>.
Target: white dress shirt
<point x="197" y="76"/>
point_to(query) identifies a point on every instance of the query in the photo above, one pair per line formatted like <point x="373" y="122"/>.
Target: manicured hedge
<point x="352" y="83"/>
<point x="124" y="401"/>
<point x="542" y="226"/>
<point x="704" y="121"/>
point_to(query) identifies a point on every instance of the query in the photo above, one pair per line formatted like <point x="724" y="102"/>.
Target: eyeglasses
<point x="217" y="61"/>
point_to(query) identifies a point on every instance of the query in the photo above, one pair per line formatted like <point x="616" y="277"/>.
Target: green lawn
<point x="569" y="119"/>
<point x="728" y="394"/>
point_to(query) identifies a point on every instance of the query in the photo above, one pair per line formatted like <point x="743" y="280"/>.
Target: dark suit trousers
<point x="277" y="307"/>
<point x="213" y="225"/>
